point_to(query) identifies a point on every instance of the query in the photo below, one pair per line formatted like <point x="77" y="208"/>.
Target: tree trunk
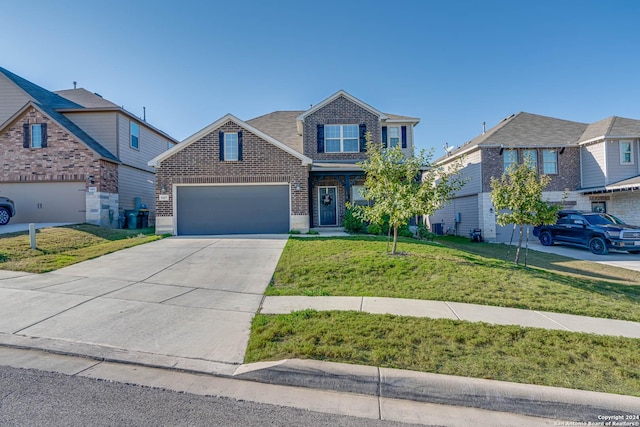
<point x="395" y="239"/>
<point x="519" y="246"/>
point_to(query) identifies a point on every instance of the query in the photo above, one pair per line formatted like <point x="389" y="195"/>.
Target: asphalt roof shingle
<point x="282" y="126"/>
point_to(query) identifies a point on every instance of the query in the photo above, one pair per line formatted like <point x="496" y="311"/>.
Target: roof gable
<point x="66" y="124"/>
<point x="338" y="94"/>
<point x="281" y="125"/>
<point x="215" y="125"/>
<point x="39" y="94"/>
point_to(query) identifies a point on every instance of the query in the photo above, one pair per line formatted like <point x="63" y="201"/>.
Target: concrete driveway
<point x="190" y="299"/>
<point x="614" y="258"/>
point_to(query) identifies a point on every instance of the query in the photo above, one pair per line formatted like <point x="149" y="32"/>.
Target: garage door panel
<point x="254" y="209"/>
<point x="47" y="201"/>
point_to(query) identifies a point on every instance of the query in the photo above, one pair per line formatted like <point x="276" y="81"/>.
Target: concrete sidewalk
<point x="456" y="311"/>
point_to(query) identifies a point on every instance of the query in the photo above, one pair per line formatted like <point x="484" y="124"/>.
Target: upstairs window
<point x="549" y="162"/>
<point x="530" y="157"/>
<point x="134" y="132"/>
<point x="341" y="139"/>
<point x="230" y="147"/>
<point x="626" y="152"/>
<point x="510" y="157"/>
<point x="394" y="136"/>
<point x="34" y="136"/>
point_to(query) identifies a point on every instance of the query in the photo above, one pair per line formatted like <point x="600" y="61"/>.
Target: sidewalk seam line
<point x="452" y="310"/>
<point x="554" y="321"/>
<point x="361" y="303"/>
<point x="98" y="362"/>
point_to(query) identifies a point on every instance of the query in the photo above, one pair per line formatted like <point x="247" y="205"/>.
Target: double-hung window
<point x="341" y="138"/>
<point x="530" y="157"/>
<point x="36" y="136"/>
<point x="394" y="136"/>
<point x="134" y="133"/>
<point x="626" y="152"/>
<point x="550" y="162"/>
<point x="510" y="157"/>
<point x="230" y="147"/>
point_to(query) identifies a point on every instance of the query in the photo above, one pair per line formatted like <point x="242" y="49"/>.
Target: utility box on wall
<point x="458" y="218"/>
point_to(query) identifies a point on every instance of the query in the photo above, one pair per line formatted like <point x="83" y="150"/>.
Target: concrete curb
<point x="525" y="399"/>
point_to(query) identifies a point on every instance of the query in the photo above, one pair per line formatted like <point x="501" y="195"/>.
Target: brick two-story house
<point x="72" y="156"/>
<point x="584" y="162"/>
<point x="286" y="170"/>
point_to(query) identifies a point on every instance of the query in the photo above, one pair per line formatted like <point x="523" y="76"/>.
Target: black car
<point x="597" y="231"/>
<point x="7" y="210"/>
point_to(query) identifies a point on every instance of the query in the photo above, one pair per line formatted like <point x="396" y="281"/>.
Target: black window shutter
<point x="221" y="144"/>
<point x="363" y="138"/>
<point x="384" y="137"/>
<point x="404" y="136"/>
<point x="320" y="138"/>
<point x="43" y="126"/>
<point x="25" y="136"/>
<point x="240" y="145"/>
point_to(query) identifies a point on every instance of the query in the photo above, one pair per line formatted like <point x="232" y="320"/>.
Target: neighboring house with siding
<point x="72" y="156"/>
<point x="597" y="166"/>
<point x="286" y="170"/>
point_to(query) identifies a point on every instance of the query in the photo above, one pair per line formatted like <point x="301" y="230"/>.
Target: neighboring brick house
<point x="72" y="156"/>
<point x="571" y="153"/>
<point x="287" y="170"/>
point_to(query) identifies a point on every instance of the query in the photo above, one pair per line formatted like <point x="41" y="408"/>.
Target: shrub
<point x="374" y="229"/>
<point x="353" y="224"/>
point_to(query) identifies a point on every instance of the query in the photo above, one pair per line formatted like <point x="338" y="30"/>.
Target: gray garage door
<point x="47" y="201"/>
<point x="251" y="209"/>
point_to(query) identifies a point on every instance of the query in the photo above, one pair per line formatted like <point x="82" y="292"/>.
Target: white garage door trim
<point x="175" y="188"/>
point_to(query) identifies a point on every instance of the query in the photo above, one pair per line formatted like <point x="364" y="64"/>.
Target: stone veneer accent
<point x="263" y="162"/>
<point x="64" y="158"/>
<point x="340" y="111"/>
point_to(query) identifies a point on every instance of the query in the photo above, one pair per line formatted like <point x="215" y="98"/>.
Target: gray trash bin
<point x="132" y="219"/>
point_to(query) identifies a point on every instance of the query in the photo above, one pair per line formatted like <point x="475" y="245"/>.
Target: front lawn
<point x="507" y="353"/>
<point x="455" y="271"/>
<point x="62" y="246"/>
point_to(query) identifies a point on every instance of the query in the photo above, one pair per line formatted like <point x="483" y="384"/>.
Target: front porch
<point x="331" y="187"/>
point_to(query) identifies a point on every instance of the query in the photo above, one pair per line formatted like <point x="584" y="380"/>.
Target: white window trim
<point x="399" y="143"/>
<point x="556" y="162"/>
<point x="504" y="164"/>
<point x="342" y="138"/>
<point x="355" y="194"/>
<point x="534" y="157"/>
<point x="631" y="152"/>
<point x="227" y="158"/>
<point x="33" y="126"/>
<point x="335" y="205"/>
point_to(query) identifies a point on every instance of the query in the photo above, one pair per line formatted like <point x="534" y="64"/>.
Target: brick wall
<point x="340" y="111"/>
<point x="64" y="159"/>
<point x="568" y="168"/>
<point x="199" y="163"/>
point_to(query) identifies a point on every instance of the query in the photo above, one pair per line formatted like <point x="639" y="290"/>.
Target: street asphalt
<point x="176" y="314"/>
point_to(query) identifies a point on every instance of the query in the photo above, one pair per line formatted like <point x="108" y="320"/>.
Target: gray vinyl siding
<point x="468" y="209"/>
<point x="150" y="145"/>
<point x="135" y="183"/>
<point x="101" y="126"/>
<point x="472" y="172"/>
<point x="12" y="99"/>
<point x="616" y="171"/>
<point x="593" y="165"/>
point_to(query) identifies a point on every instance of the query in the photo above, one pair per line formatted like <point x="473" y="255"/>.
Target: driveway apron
<point x="185" y="297"/>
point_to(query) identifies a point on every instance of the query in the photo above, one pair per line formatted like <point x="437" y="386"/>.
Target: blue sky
<point x="454" y="64"/>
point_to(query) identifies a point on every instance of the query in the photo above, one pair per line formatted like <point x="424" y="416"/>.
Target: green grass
<point x="62" y="246"/>
<point x="507" y="353"/>
<point x="455" y="271"/>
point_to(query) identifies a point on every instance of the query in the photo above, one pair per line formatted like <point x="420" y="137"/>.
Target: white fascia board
<point x="215" y="125"/>
<point x="335" y="96"/>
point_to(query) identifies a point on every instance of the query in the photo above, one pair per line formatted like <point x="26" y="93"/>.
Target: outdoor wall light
<point x="298" y="187"/>
<point x="163" y="189"/>
<point x="91" y="180"/>
<point x="491" y="209"/>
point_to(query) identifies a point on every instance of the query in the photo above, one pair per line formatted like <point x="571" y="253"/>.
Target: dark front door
<point x="327" y="205"/>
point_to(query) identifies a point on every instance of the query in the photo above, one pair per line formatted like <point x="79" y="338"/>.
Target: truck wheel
<point x="546" y="239"/>
<point x="598" y="246"/>
<point x="4" y="216"/>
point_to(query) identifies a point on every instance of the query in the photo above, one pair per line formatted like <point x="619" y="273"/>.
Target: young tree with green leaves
<point x="402" y="186"/>
<point x="517" y="199"/>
